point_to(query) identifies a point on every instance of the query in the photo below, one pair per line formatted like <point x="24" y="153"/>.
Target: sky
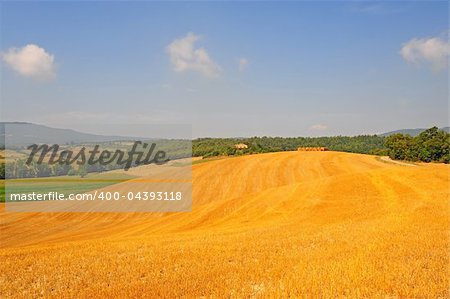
<point x="227" y="69"/>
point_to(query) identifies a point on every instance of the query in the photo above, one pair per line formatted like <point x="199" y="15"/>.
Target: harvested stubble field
<point x="292" y="224"/>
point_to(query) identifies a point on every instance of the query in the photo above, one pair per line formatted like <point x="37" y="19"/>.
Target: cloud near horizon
<point x="319" y="127"/>
<point x="185" y="57"/>
<point x="31" y="61"/>
<point x="432" y="52"/>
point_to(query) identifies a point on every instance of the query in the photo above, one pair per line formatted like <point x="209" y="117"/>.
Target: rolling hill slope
<point x="273" y="225"/>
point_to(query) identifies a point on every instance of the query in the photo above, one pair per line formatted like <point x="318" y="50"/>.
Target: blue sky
<point x="228" y="68"/>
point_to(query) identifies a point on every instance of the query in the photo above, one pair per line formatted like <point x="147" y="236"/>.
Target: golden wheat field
<point x="278" y="225"/>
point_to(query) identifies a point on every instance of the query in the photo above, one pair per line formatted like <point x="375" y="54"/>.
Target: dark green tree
<point x="399" y="146"/>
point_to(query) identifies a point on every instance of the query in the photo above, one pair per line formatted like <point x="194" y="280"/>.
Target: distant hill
<point x="22" y="133"/>
<point x="412" y="132"/>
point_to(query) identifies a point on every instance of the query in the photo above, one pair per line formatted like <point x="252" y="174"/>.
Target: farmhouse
<point x="240" y="146"/>
<point x="311" y="149"/>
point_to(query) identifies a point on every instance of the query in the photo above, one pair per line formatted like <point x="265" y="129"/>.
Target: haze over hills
<point x="23" y="133"/>
<point x="412" y="132"/>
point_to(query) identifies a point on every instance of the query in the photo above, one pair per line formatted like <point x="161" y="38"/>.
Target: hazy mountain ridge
<point x="23" y="133"/>
<point x="412" y="132"/>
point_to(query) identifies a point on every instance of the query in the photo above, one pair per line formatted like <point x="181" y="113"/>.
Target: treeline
<point x="210" y="147"/>
<point x="432" y="145"/>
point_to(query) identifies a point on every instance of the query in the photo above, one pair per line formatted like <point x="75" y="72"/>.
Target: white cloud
<point x="30" y="61"/>
<point x="318" y="127"/>
<point x="429" y="51"/>
<point x="243" y="62"/>
<point x="185" y="57"/>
